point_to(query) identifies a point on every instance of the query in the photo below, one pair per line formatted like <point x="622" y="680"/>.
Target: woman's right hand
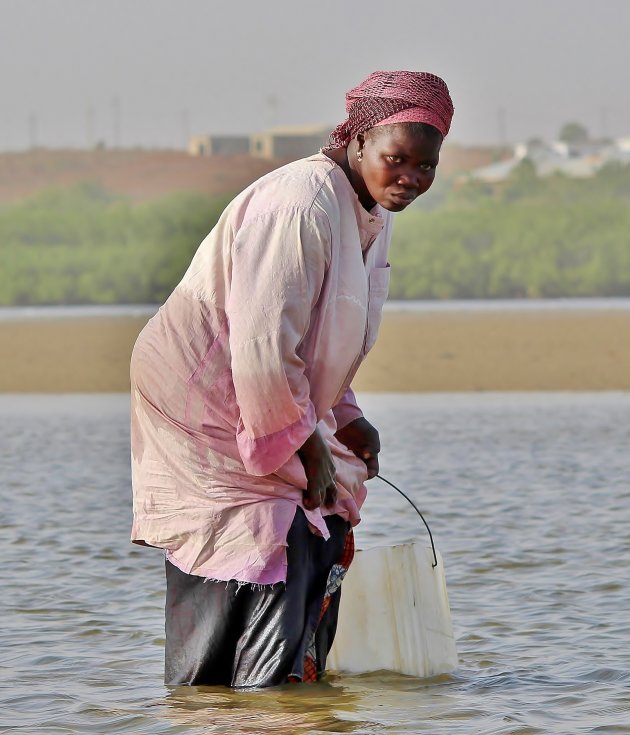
<point x="320" y="472"/>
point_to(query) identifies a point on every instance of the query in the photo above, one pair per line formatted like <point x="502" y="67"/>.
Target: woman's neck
<point x="341" y="156"/>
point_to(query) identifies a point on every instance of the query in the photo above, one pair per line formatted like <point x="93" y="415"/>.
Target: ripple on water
<point x="527" y="500"/>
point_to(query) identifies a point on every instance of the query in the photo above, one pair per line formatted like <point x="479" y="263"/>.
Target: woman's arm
<point x="362" y="439"/>
<point x="347" y="409"/>
<point x="278" y="266"/>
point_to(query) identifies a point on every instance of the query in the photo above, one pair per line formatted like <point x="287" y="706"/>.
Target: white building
<point x="576" y="160"/>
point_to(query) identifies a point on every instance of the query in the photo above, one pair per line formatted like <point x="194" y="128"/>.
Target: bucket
<point x="394" y="613"/>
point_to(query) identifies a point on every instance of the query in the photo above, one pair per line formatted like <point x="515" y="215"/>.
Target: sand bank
<point x="461" y="351"/>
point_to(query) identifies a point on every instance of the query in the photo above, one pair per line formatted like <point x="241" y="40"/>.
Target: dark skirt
<point x="226" y="633"/>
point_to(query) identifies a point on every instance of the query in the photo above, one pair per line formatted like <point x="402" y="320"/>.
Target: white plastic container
<point x="394" y="614"/>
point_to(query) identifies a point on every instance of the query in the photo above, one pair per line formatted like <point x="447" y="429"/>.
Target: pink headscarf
<point x="387" y="97"/>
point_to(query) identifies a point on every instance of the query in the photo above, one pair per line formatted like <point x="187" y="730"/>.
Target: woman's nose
<point x="409" y="180"/>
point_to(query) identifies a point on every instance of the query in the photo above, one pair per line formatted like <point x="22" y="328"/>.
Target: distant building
<point x="576" y="160"/>
<point x="218" y="145"/>
<point x="578" y="149"/>
<point x="290" y="143"/>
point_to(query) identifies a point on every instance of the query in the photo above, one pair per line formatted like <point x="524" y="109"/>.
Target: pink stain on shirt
<point x="256" y="346"/>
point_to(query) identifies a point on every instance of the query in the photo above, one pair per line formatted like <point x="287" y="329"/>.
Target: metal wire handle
<point x="415" y="507"/>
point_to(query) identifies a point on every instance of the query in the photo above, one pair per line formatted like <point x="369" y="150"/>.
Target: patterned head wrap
<point x="387" y="97"/>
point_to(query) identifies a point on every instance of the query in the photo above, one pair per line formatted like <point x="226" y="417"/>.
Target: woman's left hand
<point x="362" y="438"/>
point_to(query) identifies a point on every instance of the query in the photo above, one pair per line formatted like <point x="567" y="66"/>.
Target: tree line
<point x="83" y="245"/>
<point x="528" y="237"/>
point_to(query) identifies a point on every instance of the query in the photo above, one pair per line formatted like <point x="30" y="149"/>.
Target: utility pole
<point x="272" y="107"/>
<point x="185" y="123"/>
<point x="116" y="138"/>
<point x="33" y="125"/>
<point x="89" y="126"/>
<point x="502" y="127"/>
<point x="603" y="122"/>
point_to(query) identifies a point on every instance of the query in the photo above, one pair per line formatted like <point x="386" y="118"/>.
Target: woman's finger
<point x="312" y="498"/>
<point x="372" y="466"/>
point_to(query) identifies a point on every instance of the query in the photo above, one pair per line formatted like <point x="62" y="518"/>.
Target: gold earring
<point x="359" y="155"/>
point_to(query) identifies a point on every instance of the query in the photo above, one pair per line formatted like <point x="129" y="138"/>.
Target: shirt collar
<point x="371" y="222"/>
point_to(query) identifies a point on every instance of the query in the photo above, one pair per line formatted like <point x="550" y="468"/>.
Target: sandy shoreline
<point x="449" y="351"/>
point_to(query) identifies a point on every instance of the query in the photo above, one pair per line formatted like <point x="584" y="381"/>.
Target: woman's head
<point x="394" y="164"/>
<point x="395" y="127"/>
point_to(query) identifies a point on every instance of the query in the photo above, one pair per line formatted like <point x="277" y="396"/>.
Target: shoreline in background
<point x="81" y="311"/>
<point x="420" y="349"/>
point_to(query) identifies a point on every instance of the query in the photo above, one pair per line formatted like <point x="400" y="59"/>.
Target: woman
<point x="249" y="452"/>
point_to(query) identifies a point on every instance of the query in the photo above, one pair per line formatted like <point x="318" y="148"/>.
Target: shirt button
<point x="371" y="219"/>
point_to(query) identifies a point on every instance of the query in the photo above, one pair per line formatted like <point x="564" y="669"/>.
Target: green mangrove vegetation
<point x="82" y="245"/>
<point x="528" y="237"/>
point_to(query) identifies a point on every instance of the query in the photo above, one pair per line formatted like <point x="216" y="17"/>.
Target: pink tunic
<point x="256" y="346"/>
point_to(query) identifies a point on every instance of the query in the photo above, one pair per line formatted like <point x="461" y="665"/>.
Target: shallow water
<point x="528" y="500"/>
<point x="37" y="313"/>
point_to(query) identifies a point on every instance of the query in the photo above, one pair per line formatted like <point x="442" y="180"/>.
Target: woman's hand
<point x="362" y="438"/>
<point x="320" y="472"/>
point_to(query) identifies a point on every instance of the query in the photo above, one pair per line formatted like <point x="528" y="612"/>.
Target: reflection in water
<point x="282" y="710"/>
<point x="527" y="497"/>
<point x="332" y="706"/>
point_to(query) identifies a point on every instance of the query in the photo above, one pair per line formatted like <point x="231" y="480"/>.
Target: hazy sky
<point x="147" y="72"/>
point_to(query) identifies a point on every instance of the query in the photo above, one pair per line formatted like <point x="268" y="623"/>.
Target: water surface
<point x="527" y="497"/>
<point x="22" y="313"/>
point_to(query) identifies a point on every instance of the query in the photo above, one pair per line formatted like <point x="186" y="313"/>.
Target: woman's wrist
<point x="312" y="446"/>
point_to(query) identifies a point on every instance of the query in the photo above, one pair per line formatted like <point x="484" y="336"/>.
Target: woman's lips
<point x="404" y="197"/>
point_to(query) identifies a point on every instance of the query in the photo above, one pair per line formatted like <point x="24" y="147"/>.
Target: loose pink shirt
<point x="255" y="347"/>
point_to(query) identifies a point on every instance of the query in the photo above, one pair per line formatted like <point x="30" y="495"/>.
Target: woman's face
<point x="397" y="164"/>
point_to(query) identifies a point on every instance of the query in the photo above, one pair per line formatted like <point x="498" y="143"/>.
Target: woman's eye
<point x="394" y="159"/>
<point x="426" y="167"/>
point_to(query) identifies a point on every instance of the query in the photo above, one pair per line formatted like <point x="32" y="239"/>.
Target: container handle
<point x="415" y="507"/>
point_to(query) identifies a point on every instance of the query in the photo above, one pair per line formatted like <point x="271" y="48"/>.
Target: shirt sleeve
<point x="278" y="267"/>
<point x="346" y="409"/>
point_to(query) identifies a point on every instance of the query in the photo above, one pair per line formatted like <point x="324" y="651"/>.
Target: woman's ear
<point x="360" y="141"/>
